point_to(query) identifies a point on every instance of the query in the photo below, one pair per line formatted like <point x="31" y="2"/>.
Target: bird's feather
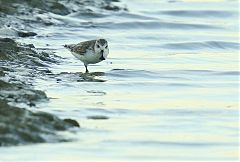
<point x="81" y="47"/>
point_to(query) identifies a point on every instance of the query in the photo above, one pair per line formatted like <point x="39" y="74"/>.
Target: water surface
<point x="169" y="89"/>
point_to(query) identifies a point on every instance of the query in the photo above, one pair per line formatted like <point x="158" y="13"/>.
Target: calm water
<point x="169" y="87"/>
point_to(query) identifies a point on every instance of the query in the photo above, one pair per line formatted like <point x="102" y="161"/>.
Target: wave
<point x="170" y="143"/>
<point x="200" y="14"/>
<point x="135" y="16"/>
<point x="127" y="73"/>
<point x="202" y="45"/>
<point x="153" y="25"/>
<point x="229" y="73"/>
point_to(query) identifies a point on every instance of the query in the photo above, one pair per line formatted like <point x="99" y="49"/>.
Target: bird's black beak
<point x="102" y="58"/>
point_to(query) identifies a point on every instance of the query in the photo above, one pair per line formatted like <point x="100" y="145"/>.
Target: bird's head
<point x="101" y="48"/>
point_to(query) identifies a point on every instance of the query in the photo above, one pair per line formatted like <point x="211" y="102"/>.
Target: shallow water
<point x="169" y="88"/>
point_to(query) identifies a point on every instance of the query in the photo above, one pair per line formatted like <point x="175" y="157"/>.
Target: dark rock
<point x="7" y="40"/>
<point x="30" y="45"/>
<point x="31" y="104"/>
<point x="72" y="122"/>
<point x="98" y="117"/>
<point x="7" y="8"/>
<point x="111" y="7"/>
<point x="2" y="74"/>
<point x="26" y="34"/>
<point x="54" y="6"/>
<point x="13" y="51"/>
<point x="17" y="125"/>
<point x="20" y="126"/>
<point x="5" y="85"/>
<point x="21" y="93"/>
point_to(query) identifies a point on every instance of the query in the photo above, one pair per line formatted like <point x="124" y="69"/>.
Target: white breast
<point x="89" y="57"/>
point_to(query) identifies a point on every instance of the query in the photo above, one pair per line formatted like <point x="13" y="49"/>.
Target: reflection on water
<point x="168" y="89"/>
<point x="77" y="77"/>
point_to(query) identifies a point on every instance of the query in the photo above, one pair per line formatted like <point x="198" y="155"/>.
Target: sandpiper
<point x="90" y="52"/>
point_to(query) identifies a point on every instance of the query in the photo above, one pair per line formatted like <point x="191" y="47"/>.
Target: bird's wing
<point x="81" y="48"/>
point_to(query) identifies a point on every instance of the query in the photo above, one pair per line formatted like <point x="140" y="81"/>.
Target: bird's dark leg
<point x="86" y="68"/>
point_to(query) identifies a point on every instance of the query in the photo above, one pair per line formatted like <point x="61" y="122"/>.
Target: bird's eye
<point x="98" y="46"/>
<point x="106" y="46"/>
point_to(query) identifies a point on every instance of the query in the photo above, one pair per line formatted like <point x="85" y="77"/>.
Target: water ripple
<point x="153" y="25"/>
<point x="202" y="45"/>
<point x="171" y="143"/>
<point x="201" y="14"/>
<point x="229" y="73"/>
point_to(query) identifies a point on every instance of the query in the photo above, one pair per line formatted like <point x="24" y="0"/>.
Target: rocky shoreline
<point x="21" y="63"/>
<point x="18" y="66"/>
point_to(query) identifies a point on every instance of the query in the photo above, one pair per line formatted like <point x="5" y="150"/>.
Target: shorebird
<point x="90" y="52"/>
